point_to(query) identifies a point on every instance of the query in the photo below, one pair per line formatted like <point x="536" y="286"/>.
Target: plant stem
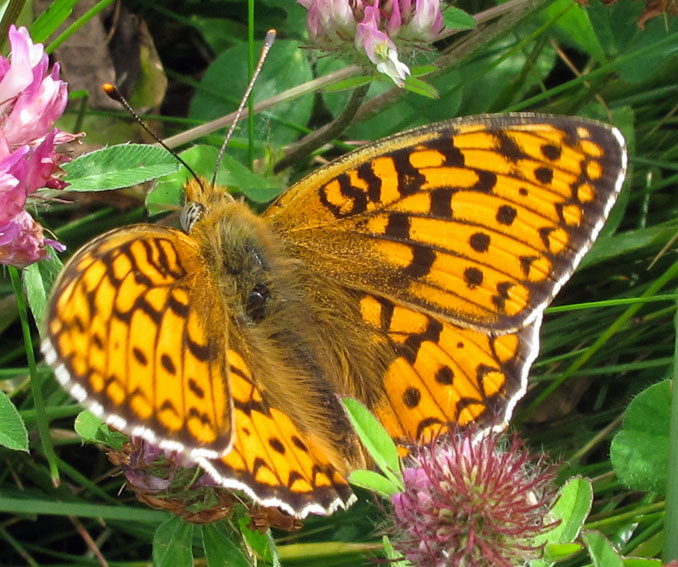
<point x="251" y="62"/>
<point x="316" y="139"/>
<point x="671" y="518"/>
<point x="39" y="401"/>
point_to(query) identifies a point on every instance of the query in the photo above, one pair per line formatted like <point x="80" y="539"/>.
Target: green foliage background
<point x="609" y="336"/>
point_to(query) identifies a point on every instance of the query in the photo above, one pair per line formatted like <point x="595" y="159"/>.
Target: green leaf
<point x="262" y="544"/>
<point x="87" y="426"/>
<point x="646" y="50"/>
<point x="457" y="19"/>
<point x="642" y="562"/>
<point x="291" y="18"/>
<point x="575" y="27"/>
<point x="649" y="50"/>
<point x="167" y="194"/>
<point x="172" y="544"/>
<point x="554" y="552"/>
<point x="220" y="551"/>
<point x="395" y="558"/>
<point x="348" y="84"/>
<point x="377" y="441"/>
<point x="420" y="87"/>
<point x="47" y="23"/>
<point x="495" y="83"/>
<point x="232" y="174"/>
<point x="13" y="434"/>
<point x="571" y="510"/>
<point x="639" y="452"/>
<point x="411" y="109"/>
<point x="375" y="482"/>
<point x="225" y="80"/>
<point x="255" y="187"/>
<point x="38" y="279"/>
<point x="119" y="166"/>
<point x="93" y="430"/>
<point x="219" y="33"/>
<point x="626" y="243"/>
<point x="423" y="70"/>
<point x="169" y="191"/>
<point x="257" y="541"/>
<point x="601" y="551"/>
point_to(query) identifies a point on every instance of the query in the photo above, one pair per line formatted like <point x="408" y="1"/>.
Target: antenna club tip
<point x="270" y="36"/>
<point x="112" y="91"/>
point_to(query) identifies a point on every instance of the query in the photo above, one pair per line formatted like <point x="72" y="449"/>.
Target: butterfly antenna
<point x="112" y="91"/>
<point x="268" y="42"/>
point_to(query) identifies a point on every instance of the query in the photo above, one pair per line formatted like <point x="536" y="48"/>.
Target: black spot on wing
<point x="410" y="179"/>
<point x="441" y="202"/>
<point x="373" y="181"/>
<point x="454" y="157"/>
<point x="196" y="389"/>
<point x="411" y="397"/>
<point x="178" y="307"/>
<point x="551" y="151"/>
<point x="398" y="226"/>
<point x="473" y="277"/>
<point x="506" y="214"/>
<point x="486" y="181"/>
<point x="202" y="352"/>
<point x="499" y="299"/>
<point x="412" y="344"/>
<point x="544" y="175"/>
<point x="276" y="445"/>
<point x="140" y="356"/>
<point x="168" y="364"/>
<point x="445" y="376"/>
<point x="480" y="241"/>
<point x="508" y="148"/>
<point x="422" y="261"/>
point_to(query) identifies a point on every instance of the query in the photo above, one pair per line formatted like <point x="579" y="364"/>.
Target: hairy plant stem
<point x="323" y="135"/>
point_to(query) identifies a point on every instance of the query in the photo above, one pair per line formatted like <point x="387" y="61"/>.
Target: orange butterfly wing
<point x="138" y="333"/>
<point x="272" y="461"/>
<point x="130" y="336"/>
<point x="458" y="234"/>
<point x="445" y="375"/>
<point x="449" y="242"/>
<point x="478" y="220"/>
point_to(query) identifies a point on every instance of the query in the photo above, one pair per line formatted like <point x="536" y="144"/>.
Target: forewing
<point x="478" y="220"/>
<point x="136" y="330"/>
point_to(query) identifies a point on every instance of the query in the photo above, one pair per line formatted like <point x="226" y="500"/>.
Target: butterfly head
<point x="201" y="197"/>
<point x="238" y="247"/>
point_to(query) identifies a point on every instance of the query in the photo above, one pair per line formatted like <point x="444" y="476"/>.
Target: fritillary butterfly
<point x="411" y="274"/>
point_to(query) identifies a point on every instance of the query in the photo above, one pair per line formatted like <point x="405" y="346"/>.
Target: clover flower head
<point x="31" y="100"/>
<point x="169" y="480"/>
<point x="470" y="502"/>
<point x="379" y="30"/>
<point x="379" y="47"/>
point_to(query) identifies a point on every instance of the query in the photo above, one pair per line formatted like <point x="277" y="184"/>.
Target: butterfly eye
<point x="190" y="214"/>
<point x="256" y="302"/>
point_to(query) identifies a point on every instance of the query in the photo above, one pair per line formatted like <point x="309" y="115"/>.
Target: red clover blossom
<point x="470" y="503"/>
<point x="380" y="30"/>
<point x="31" y="99"/>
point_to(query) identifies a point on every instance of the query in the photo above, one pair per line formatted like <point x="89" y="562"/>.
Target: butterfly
<point x="411" y="274"/>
